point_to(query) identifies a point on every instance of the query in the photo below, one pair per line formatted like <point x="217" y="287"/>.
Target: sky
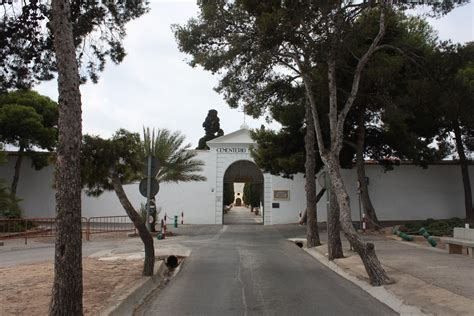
<point x="155" y="87"/>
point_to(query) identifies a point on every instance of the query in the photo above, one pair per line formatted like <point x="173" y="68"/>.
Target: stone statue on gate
<point x="212" y="128"/>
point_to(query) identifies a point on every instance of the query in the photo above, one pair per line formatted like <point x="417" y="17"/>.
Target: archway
<point x="247" y="209"/>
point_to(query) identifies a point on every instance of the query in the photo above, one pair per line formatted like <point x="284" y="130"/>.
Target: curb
<point x="379" y="293"/>
<point x="126" y="302"/>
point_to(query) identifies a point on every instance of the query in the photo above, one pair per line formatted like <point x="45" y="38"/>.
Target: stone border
<point x="126" y="302"/>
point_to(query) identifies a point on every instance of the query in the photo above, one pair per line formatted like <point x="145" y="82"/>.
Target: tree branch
<point x="332" y="97"/>
<point x="400" y="51"/>
<point x="312" y="102"/>
<point x="281" y="60"/>
<point x="357" y="75"/>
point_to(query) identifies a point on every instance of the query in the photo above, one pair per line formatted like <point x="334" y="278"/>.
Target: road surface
<point x="254" y="270"/>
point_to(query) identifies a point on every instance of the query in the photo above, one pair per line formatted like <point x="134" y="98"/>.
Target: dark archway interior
<point x="244" y="171"/>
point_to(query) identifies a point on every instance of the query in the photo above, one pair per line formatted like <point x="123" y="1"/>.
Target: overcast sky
<point x="154" y="86"/>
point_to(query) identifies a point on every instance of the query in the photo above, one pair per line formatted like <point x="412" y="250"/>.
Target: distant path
<point x="241" y="215"/>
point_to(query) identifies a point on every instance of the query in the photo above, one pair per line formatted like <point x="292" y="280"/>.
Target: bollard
<point x="427" y="236"/>
<point x="176" y="221"/>
<point x="163" y="229"/>
<point x="402" y="235"/>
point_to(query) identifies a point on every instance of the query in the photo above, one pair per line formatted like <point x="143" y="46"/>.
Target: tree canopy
<point x="28" y="120"/>
<point x="26" y="38"/>
<point x="121" y="155"/>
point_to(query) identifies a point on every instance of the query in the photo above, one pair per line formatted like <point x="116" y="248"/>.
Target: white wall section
<point x="406" y="193"/>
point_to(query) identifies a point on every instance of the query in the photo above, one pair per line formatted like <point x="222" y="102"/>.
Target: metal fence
<point x="15" y="228"/>
<point x="108" y="224"/>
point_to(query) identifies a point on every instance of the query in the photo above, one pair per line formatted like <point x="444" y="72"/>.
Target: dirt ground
<point x="26" y="289"/>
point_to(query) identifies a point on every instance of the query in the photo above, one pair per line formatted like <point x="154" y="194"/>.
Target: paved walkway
<point x="429" y="278"/>
<point x="239" y="215"/>
<point x="435" y="266"/>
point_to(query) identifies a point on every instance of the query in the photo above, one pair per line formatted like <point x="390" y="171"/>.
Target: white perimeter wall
<point x="289" y="209"/>
<point x="196" y="199"/>
<point x="406" y="193"/>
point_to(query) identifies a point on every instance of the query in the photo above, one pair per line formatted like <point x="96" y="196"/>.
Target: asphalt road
<point x="34" y="252"/>
<point x="254" y="270"/>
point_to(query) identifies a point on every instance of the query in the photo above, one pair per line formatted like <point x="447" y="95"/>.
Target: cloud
<point x="155" y="87"/>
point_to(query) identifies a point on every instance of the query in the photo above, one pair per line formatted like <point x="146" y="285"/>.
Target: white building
<point x="406" y="193"/>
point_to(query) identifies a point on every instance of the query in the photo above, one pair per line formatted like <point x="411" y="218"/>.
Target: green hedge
<point x="440" y="227"/>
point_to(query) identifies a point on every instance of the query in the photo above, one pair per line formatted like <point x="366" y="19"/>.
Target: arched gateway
<point x="234" y="164"/>
<point x="245" y="171"/>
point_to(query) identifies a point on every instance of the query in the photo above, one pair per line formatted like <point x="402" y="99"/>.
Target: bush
<point x="228" y="193"/>
<point x="9" y="207"/>
<point x="441" y="227"/>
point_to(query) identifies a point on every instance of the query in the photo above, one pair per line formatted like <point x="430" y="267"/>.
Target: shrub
<point x="441" y="227"/>
<point x="9" y="207"/>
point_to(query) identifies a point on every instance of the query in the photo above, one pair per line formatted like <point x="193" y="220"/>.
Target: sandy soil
<point x="26" y="289"/>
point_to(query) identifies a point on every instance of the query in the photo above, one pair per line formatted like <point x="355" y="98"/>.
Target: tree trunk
<point x="334" y="228"/>
<point x="312" y="232"/>
<point x="464" y="172"/>
<point x="330" y="155"/>
<point x="16" y="176"/>
<point x="304" y="217"/>
<point x="67" y="287"/>
<point x="369" y="210"/>
<point x="143" y="232"/>
<point x="366" y="251"/>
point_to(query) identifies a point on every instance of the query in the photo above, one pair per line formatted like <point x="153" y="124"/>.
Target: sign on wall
<point x="281" y="194"/>
<point x="232" y="150"/>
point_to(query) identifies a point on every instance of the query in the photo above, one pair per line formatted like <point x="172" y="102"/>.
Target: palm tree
<point x="177" y="161"/>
